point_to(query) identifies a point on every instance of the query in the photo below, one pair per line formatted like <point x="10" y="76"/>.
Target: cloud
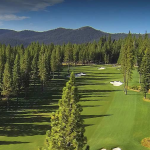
<point x="11" y="17"/>
<point x="15" y="6"/>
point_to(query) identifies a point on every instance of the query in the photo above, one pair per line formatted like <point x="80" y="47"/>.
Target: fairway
<point x="111" y="118"/>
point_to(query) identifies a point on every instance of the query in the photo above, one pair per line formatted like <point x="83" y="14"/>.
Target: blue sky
<point x="113" y="16"/>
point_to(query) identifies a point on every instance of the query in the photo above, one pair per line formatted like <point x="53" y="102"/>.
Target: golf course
<point x="111" y="118"/>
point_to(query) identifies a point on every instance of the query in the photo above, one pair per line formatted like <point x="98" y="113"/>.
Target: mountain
<point x="56" y="36"/>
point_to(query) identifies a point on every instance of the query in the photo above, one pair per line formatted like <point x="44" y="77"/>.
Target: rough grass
<point x="112" y="119"/>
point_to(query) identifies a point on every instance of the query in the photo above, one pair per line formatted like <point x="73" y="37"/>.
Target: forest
<point x="21" y="67"/>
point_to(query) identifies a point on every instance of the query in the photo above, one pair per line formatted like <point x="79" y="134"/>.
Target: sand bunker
<point x="101" y="68"/>
<point x="116" y="83"/>
<point x="117" y="148"/>
<point x="78" y="75"/>
<point x="82" y="74"/>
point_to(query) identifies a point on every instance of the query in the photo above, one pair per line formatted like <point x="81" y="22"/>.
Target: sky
<point x="112" y="16"/>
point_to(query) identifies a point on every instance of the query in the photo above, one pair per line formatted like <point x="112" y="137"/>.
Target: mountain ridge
<point x="57" y="36"/>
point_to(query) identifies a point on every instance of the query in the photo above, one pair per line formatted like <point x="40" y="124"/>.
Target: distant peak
<point x="86" y="27"/>
<point x="60" y="28"/>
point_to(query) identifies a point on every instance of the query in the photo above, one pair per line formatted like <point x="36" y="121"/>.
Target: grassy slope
<point x="111" y="118"/>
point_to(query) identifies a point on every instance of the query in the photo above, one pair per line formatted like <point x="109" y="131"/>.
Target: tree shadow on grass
<point x="23" y="124"/>
<point x="91" y="105"/>
<point x="90" y="100"/>
<point x="12" y="142"/>
<point x="87" y="96"/>
<point x="107" y="73"/>
<point x="31" y="117"/>
<point x="37" y="99"/>
<point x="15" y="130"/>
<point x="87" y="125"/>
<point x="94" y="116"/>
<point x="97" y="79"/>
<point x="97" y="91"/>
<point x="81" y="84"/>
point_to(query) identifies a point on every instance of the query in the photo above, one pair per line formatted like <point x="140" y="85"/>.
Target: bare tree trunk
<point x="43" y="86"/>
<point x="145" y="95"/>
<point x="124" y="84"/>
<point x="25" y="92"/>
<point x="53" y="74"/>
<point x="34" y="84"/>
<point x="126" y="87"/>
<point x="7" y="103"/>
<point x="68" y="67"/>
<point x="58" y="72"/>
<point x="126" y="91"/>
<point x="17" y="99"/>
<point x="140" y="78"/>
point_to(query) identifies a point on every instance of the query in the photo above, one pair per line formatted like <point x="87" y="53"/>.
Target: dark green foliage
<point x="58" y="58"/>
<point x="127" y="60"/>
<point x="7" y="81"/>
<point x="42" y="70"/>
<point x="68" y="54"/>
<point x="16" y="76"/>
<point x="145" y="72"/>
<point x="67" y="130"/>
<point x="54" y="62"/>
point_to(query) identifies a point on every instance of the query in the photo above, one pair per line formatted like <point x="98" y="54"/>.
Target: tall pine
<point x="16" y="77"/>
<point x="127" y="60"/>
<point x="145" y="71"/>
<point x="67" y="129"/>
<point x="7" y="83"/>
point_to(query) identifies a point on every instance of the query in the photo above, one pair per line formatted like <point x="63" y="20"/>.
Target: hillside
<point x="56" y="36"/>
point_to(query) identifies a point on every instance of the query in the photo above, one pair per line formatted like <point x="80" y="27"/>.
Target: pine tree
<point x="145" y="71"/>
<point x="7" y="83"/>
<point x="34" y="67"/>
<point x="48" y="60"/>
<point x="8" y="52"/>
<point x="75" y="53"/>
<point x="53" y="62"/>
<point x="67" y="129"/>
<point x="58" y="59"/>
<point x="16" y="77"/>
<point x="2" y="64"/>
<point x="127" y="60"/>
<point x="26" y="68"/>
<point x="68" y="55"/>
<point x="142" y="44"/>
<point x="42" y="70"/>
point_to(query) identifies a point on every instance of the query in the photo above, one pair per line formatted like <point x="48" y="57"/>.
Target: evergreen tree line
<point x="20" y="65"/>
<point x="135" y="52"/>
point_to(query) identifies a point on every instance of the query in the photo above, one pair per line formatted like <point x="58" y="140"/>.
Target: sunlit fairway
<point x="112" y="119"/>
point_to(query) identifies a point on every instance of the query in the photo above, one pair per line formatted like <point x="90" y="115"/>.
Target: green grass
<point x="112" y="119"/>
<point x="25" y="128"/>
